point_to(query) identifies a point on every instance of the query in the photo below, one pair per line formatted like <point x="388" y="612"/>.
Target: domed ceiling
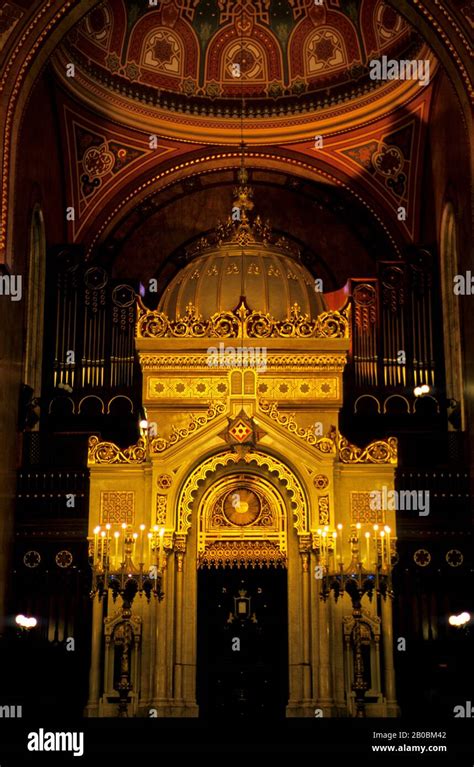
<point x="194" y="55"/>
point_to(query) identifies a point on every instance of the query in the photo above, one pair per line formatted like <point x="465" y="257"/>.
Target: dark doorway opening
<point x="242" y="643"/>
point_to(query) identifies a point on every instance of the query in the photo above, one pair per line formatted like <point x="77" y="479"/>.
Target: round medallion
<point x="241" y="506"/>
<point x="32" y="558"/>
<point x="422" y="557"/>
<point x="454" y="558"/>
<point x="64" y="558"/>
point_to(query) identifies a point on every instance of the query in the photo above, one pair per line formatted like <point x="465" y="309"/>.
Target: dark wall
<point x="38" y="180"/>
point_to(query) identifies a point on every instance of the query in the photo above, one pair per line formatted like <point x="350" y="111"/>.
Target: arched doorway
<point x="242" y="650"/>
<point x="242" y="604"/>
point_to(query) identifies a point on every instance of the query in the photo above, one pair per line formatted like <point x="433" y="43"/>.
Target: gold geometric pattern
<point x="187" y="387"/>
<point x="325" y="50"/>
<point x="163" y="52"/>
<point x="320" y="481"/>
<point x="361" y="510"/>
<point x="240" y="430"/>
<point x="316" y="362"/>
<point x="117" y="507"/>
<point x="298" y="388"/>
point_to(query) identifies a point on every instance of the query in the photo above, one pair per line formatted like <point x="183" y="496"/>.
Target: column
<point x="305" y="556"/>
<point x="159" y="673"/>
<point x="324" y="697"/>
<point x="92" y="708"/>
<point x="389" y="671"/>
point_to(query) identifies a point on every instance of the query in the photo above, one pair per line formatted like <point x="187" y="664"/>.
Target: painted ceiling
<point x="216" y="51"/>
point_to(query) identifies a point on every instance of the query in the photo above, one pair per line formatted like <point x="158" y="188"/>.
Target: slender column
<point x="324" y="696"/>
<point x="92" y="708"/>
<point x="387" y="634"/>
<point x="178" y="669"/>
<point x="305" y="556"/>
<point x="159" y="680"/>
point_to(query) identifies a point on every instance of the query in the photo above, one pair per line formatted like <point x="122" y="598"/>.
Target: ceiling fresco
<point x="219" y="50"/>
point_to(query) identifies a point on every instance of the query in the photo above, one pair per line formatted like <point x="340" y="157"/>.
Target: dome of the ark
<point x="270" y="281"/>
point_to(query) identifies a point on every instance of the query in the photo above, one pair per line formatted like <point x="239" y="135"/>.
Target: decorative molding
<point x="187" y="387"/>
<point x="160" y="444"/>
<point x="326" y="445"/>
<point x="109" y="452"/>
<point x="323" y="509"/>
<point x="244" y="553"/>
<point x="164" y="481"/>
<point x="320" y="481"/>
<point x="241" y="324"/>
<point x="160" y="510"/>
<point x="327" y="363"/>
<point x="380" y="451"/>
<point x="298" y="388"/>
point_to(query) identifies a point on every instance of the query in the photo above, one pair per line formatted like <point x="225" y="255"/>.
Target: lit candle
<point x="102" y="552"/>
<point x="367" y="548"/>
<point x="124" y="528"/>
<point x="95" y="552"/>
<point x="156" y="542"/>
<point x="150" y="537"/>
<point x="382" y="540"/>
<point x="142" y="537"/>
<point x="323" y="536"/>
<point x="334" y="537"/>
<point x="376" y="527"/>
<point x="116" y="536"/>
<point x="389" y="552"/>
<point x="162" y="532"/>
<point x="107" y="542"/>
<point x="339" y="527"/>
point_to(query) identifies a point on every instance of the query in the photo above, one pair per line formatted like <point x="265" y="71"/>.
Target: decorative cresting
<point x="108" y="452"/>
<point x="272" y="464"/>
<point x="242" y="323"/>
<point x="160" y="444"/>
<point x="381" y="451"/>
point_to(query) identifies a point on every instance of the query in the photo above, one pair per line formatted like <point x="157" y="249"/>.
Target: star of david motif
<point x="240" y="430"/>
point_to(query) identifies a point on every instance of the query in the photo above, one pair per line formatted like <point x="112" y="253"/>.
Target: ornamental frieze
<point x="299" y="388"/>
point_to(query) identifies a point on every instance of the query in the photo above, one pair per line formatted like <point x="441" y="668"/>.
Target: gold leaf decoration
<point x="323" y="444"/>
<point x="380" y="451"/>
<point x="244" y="323"/>
<point x="159" y="444"/>
<point x="109" y="452"/>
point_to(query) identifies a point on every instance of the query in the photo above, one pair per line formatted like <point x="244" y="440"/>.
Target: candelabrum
<point x="113" y="554"/>
<point x="366" y="572"/>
